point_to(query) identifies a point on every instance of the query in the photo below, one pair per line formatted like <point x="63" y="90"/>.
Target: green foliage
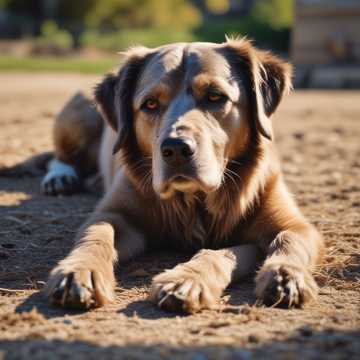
<point x="75" y="11"/>
<point x="218" y="6"/>
<point x="63" y="64"/>
<point x="118" y="14"/>
<point x="264" y="35"/>
<point x="278" y="14"/>
<point x="268" y="24"/>
<point x="120" y="40"/>
<point x="3" y="4"/>
<point x="52" y="35"/>
<point x="116" y="24"/>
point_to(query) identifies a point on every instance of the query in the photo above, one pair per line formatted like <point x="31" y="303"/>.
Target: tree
<point x="116" y="14"/>
<point x="278" y="14"/>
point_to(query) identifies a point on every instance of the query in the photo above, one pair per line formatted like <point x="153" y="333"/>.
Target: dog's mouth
<point x="184" y="184"/>
<point x="179" y="183"/>
<point x="181" y="179"/>
<point x="189" y="179"/>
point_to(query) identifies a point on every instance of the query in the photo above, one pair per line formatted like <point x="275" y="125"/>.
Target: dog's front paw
<point x="285" y="285"/>
<point x="183" y="291"/>
<point x="79" y="289"/>
<point x="61" y="179"/>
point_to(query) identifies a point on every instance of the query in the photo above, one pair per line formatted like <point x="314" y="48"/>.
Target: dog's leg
<point x="61" y="178"/>
<point x="85" y="278"/>
<point x="199" y="283"/>
<point x="76" y="135"/>
<point x="285" y="279"/>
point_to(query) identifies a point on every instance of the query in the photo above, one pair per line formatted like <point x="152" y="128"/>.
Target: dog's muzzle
<point x="177" y="152"/>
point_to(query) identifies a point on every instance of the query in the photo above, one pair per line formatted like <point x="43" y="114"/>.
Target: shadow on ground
<point x="237" y="295"/>
<point x="303" y="344"/>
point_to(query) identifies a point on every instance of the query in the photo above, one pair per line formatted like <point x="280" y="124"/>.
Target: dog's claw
<point x="181" y="294"/>
<point x="172" y="302"/>
<point x="60" y="291"/>
<point x="73" y="293"/>
<point x="285" y="287"/>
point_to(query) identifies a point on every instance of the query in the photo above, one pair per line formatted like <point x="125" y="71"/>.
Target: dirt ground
<point x="318" y="134"/>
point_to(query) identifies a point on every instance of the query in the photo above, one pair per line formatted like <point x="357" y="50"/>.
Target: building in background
<point x="326" y="43"/>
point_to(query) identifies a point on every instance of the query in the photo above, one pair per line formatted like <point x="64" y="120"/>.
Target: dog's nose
<point x="177" y="151"/>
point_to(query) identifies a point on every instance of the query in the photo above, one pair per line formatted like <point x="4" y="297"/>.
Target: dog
<point x="188" y="162"/>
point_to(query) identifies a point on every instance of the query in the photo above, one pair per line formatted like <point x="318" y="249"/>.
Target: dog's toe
<point x="170" y="302"/>
<point x="60" y="180"/>
<point x="186" y="295"/>
<point x="80" y="288"/>
<point x="179" y="297"/>
<point x="281" y="292"/>
<point x="285" y="286"/>
<point x="61" y="185"/>
<point x="75" y="291"/>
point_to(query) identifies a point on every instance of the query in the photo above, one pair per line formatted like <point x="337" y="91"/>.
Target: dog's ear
<point x="272" y="80"/>
<point x="115" y="93"/>
<point x="105" y="97"/>
<point x="266" y="78"/>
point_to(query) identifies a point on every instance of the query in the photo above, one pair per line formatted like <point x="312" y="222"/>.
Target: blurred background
<point x="321" y="37"/>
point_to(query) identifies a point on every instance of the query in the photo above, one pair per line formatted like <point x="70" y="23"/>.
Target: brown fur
<point x="76" y="134"/>
<point x="236" y="204"/>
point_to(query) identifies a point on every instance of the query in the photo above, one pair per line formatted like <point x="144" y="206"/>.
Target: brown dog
<point x="194" y="168"/>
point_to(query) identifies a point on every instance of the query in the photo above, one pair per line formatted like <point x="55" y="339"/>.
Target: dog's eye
<point x="151" y="104"/>
<point x="215" y="96"/>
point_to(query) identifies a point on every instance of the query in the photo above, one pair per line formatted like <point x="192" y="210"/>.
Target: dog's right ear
<point x="115" y="93"/>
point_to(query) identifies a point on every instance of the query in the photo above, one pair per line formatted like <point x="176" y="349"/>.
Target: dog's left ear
<point x="267" y="79"/>
<point x="115" y="93"/>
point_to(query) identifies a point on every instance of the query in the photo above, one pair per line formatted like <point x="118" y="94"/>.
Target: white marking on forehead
<point x="166" y="60"/>
<point x="158" y="69"/>
<point x="203" y="57"/>
<point x="198" y="58"/>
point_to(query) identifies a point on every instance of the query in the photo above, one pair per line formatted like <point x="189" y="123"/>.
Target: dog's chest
<point x="188" y="226"/>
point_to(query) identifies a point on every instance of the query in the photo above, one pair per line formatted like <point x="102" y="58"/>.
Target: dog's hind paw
<point x="61" y="179"/>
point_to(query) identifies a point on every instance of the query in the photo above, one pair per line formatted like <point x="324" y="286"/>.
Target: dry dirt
<point x="318" y="134"/>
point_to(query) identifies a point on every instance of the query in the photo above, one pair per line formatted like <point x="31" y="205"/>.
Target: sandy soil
<point x="318" y="134"/>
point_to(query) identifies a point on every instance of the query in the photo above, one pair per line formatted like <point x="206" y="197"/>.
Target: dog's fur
<point x="231" y="205"/>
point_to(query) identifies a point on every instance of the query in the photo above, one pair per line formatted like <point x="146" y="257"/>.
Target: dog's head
<point x="192" y="109"/>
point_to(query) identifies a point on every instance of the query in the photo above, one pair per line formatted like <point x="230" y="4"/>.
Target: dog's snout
<point x="177" y="151"/>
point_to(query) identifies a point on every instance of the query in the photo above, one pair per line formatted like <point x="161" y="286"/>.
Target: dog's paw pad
<point x="285" y="286"/>
<point x="60" y="179"/>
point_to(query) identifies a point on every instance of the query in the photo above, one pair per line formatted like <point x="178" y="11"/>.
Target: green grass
<point x="52" y="64"/>
<point x="209" y="31"/>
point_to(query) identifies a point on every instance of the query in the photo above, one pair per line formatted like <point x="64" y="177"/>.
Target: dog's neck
<point x="205" y="219"/>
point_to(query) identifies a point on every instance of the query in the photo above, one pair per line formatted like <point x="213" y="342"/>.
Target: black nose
<point x="177" y="151"/>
